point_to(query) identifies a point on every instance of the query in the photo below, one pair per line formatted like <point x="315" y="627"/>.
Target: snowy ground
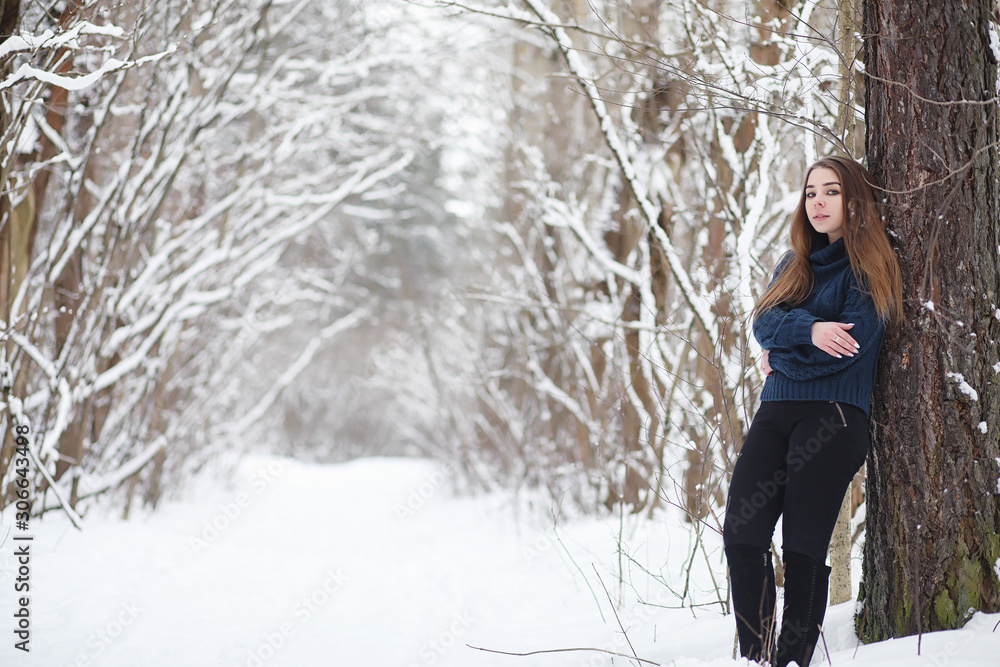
<point x="375" y="563"/>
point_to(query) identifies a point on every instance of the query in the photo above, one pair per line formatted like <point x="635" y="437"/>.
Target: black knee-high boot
<point x="752" y="576"/>
<point x="806" y="587"/>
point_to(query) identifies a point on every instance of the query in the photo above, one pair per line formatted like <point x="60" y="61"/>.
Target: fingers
<point x="832" y="338"/>
<point x="839" y="348"/>
<point x="843" y="346"/>
<point x="842" y="341"/>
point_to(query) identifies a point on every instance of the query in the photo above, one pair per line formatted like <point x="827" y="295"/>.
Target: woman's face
<point x="825" y="203"/>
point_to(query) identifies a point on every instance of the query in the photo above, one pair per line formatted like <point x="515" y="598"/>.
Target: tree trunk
<point x="9" y="12"/>
<point x="9" y="16"/>
<point x="67" y="296"/>
<point x="933" y="514"/>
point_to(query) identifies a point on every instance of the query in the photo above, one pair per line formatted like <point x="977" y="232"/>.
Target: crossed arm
<point x="802" y="346"/>
<point x="831" y="337"/>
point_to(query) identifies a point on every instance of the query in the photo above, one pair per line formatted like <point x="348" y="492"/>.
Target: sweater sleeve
<point x="805" y="362"/>
<point x="777" y="327"/>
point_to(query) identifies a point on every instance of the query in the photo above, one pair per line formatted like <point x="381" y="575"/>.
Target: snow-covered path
<point x="374" y="563"/>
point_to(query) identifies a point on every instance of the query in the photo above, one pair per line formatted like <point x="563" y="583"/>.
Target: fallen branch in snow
<point x="563" y="650"/>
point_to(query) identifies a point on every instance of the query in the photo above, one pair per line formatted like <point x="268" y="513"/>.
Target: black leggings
<point x="798" y="458"/>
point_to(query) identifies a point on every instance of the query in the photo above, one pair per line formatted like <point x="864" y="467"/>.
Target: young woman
<point x="821" y="322"/>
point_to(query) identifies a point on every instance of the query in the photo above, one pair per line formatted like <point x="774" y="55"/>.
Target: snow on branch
<point x="93" y="485"/>
<point x="26" y="43"/>
<point x="16" y="407"/>
<point x="558" y="214"/>
<point x="650" y="211"/>
<point x="267" y="401"/>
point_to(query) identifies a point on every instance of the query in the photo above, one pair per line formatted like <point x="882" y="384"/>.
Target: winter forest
<point x="414" y="332"/>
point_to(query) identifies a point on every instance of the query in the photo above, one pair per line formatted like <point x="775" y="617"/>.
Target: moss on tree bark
<point x="933" y="514"/>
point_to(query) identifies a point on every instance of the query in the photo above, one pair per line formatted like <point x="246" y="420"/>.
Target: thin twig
<point x="564" y="650"/>
<point x="617" y="618"/>
<point x="578" y="569"/>
<point x="822" y="635"/>
<point x="523" y="20"/>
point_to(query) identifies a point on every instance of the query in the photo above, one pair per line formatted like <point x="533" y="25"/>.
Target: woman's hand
<point x="832" y="338"/>
<point x="764" y="365"/>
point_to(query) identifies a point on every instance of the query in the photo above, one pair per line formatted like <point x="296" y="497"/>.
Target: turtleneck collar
<point x="825" y="253"/>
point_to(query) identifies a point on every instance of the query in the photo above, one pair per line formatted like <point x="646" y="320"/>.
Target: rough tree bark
<point x="933" y="513"/>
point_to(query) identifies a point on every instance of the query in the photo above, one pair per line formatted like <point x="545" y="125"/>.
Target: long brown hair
<point x="872" y="259"/>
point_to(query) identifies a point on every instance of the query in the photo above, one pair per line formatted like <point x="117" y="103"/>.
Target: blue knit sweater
<point x="802" y="371"/>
